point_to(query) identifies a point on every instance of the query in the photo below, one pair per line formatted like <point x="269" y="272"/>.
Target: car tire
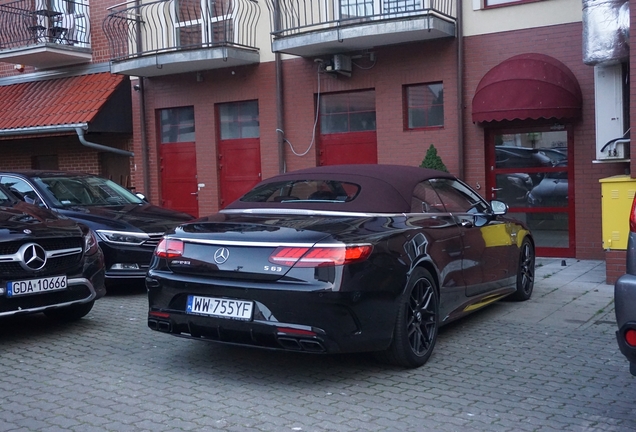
<point x="417" y="323"/>
<point x="70" y="313"/>
<point x="525" y="272"/>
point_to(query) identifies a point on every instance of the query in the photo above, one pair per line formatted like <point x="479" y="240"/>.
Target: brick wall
<point x="614" y="265"/>
<point x="72" y="156"/>
<point x="394" y="67"/>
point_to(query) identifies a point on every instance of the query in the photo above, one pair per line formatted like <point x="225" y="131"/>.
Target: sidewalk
<point x="572" y="295"/>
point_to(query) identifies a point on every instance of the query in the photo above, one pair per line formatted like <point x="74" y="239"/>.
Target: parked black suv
<point x="127" y="227"/>
<point x="48" y="264"/>
<point x="625" y="298"/>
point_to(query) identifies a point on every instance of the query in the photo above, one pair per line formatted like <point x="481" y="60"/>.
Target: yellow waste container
<point x="617" y="195"/>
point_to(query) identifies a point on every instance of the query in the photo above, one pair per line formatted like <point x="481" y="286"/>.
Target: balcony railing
<point x="315" y="28"/>
<point x="138" y="29"/>
<point x="25" y="23"/>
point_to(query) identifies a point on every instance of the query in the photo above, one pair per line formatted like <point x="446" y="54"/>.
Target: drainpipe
<point x="280" y="124"/>
<point x="460" y="89"/>
<point x="145" y="163"/>
<point x="279" y="114"/>
<point x="80" y="135"/>
<point x="144" y="144"/>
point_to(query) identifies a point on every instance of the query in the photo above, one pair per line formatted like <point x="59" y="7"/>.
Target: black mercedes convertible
<point x="349" y="258"/>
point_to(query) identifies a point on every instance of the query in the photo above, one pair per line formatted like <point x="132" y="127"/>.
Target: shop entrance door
<point x="531" y="170"/>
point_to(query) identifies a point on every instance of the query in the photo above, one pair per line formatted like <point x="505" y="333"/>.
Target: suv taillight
<point x="632" y="217"/>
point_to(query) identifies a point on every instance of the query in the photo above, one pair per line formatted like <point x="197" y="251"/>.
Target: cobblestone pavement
<point x="550" y="364"/>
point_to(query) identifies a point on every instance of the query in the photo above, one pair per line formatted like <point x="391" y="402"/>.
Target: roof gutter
<point x="77" y="128"/>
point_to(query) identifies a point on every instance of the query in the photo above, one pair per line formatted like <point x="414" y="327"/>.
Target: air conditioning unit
<point x="339" y="63"/>
<point x="612" y="139"/>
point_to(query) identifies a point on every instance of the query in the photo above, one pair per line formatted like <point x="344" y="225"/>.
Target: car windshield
<point x="303" y="191"/>
<point x="86" y="191"/>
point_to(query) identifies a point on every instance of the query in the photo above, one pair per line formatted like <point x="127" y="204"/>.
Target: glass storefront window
<point x="550" y="230"/>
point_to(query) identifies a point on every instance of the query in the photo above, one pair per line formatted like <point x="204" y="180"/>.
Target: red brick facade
<point x="395" y="67"/>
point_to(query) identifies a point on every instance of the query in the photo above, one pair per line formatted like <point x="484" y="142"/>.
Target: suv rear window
<point x="303" y="191"/>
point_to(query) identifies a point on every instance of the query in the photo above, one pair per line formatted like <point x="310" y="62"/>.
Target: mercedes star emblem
<point x="221" y="255"/>
<point x="33" y="257"/>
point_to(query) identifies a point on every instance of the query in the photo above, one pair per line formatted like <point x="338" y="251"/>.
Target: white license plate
<point x="36" y="286"/>
<point x="220" y="307"/>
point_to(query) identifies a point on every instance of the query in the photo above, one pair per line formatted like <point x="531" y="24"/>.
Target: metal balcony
<point x="45" y="33"/>
<point x="168" y="37"/>
<point x="312" y="28"/>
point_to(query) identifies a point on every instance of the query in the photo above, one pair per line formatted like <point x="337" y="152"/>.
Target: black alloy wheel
<point x="417" y="322"/>
<point x="525" y="272"/>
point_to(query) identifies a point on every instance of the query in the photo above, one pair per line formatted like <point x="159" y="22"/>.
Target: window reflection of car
<point x="513" y="188"/>
<point x="521" y="157"/>
<point x="557" y="155"/>
<point x="552" y="190"/>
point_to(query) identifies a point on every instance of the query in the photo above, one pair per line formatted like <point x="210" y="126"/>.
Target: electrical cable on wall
<point x="313" y="136"/>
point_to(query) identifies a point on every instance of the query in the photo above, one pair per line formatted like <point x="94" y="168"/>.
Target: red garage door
<point x="347" y="129"/>
<point x="178" y="160"/>
<point x="239" y="149"/>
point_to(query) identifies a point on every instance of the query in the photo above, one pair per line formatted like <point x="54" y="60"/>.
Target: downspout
<point x="460" y="89"/>
<point x="279" y="114"/>
<point x="80" y="135"/>
<point x="144" y="144"/>
<point x="280" y="124"/>
<point x="78" y="128"/>
<point x="145" y="163"/>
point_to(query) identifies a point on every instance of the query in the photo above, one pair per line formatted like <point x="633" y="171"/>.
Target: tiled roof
<point x="62" y="101"/>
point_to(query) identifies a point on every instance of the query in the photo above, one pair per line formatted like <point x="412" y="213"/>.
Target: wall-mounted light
<point x="136" y="87"/>
<point x="19" y="67"/>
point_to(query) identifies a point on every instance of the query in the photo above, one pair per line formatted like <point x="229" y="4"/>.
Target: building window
<point x="347" y="112"/>
<point x="489" y="3"/>
<point x="177" y="125"/>
<point x="424" y="105"/>
<point x="239" y="120"/>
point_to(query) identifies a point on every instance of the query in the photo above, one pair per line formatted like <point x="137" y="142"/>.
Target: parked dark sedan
<point x="625" y="298"/>
<point x="47" y="264"/>
<point x="347" y="258"/>
<point x="127" y="227"/>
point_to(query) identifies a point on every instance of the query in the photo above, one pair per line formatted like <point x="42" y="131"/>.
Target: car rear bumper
<point x="285" y="317"/>
<point x="625" y="307"/>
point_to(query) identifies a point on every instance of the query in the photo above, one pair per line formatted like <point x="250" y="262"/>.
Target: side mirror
<point x="499" y="208"/>
<point x="141" y="196"/>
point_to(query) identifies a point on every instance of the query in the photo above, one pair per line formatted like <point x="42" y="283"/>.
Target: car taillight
<point x="169" y="248"/>
<point x="632" y="217"/>
<point x="320" y="256"/>
<point x="630" y="337"/>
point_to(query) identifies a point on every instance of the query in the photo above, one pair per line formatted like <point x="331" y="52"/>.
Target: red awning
<point x="527" y="86"/>
<point x="62" y="101"/>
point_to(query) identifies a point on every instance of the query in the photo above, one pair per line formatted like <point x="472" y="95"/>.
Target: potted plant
<point x="432" y="160"/>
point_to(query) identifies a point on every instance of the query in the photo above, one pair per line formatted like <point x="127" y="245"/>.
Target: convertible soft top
<point x="383" y="188"/>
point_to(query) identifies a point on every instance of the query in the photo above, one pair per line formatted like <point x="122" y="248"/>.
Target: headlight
<point x="123" y="237"/>
<point x="90" y="241"/>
